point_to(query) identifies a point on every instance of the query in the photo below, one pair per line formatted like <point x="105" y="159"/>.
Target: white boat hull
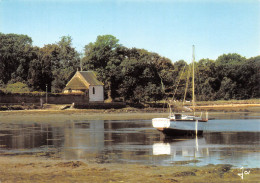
<point x="178" y="127"/>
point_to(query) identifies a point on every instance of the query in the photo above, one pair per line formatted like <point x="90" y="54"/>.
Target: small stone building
<point x="85" y="82"/>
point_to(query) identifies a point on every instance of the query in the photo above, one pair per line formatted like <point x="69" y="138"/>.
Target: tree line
<point x="129" y="74"/>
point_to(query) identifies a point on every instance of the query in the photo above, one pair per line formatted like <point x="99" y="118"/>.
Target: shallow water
<point x="225" y="141"/>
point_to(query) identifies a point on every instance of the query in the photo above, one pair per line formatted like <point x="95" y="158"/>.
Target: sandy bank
<point x="228" y="106"/>
<point x="210" y="107"/>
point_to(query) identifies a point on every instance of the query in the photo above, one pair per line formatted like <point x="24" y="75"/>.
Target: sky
<point x="166" y="27"/>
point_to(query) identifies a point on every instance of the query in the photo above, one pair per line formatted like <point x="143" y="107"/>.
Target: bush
<point x="18" y="87"/>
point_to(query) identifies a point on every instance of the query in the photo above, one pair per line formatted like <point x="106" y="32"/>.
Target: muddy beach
<point x="36" y="169"/>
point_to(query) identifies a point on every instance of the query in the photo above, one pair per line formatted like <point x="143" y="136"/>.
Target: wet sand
<point x="36" y="169"/>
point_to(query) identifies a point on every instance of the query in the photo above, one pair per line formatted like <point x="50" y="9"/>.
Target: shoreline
<point x="202" y="107"/>
<point x="54" y="112"/>
<point x="42" y="169"/>
<point x="227" y="106"/>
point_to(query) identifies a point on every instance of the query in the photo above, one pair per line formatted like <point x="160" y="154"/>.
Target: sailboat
<point x="178" y="124"/>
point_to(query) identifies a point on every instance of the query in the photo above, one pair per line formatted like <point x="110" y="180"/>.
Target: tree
<point x="227" y="66"/>
<point x="205" y="79"/>
<point x="99" y="56"/>
<point x="49" y="57"/>
<point x="68" y="63"/>
<point x="16" y="52"/>
<point x="142" y="76"/>
<point x="248" y="79"/>
<point x="54" y="66"/>
<point x="179" y="73"/>
<point x="35" y="76"/>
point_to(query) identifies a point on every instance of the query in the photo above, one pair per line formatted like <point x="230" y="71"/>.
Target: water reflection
<point x="183" y="147"/>
<point x="134" y="141"/>
<point x="238" y="149"/>
<point x="233" y="138"/>
<point x="83" y="138"/>
<point x="24" y="136"/>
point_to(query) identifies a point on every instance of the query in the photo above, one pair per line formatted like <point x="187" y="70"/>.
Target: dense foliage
<point x="129" y="74"/>
<point x="37" y="67"/>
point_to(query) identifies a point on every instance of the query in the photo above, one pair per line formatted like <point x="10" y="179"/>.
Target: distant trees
<point x="15" y="56"/>
<point x="132" y="74"/>
<point x="206" y="80"/>
<point x="142" y="78"/>
<point x="100" y="57"/>
<point x="231" y="76"/>
<point x="21" y="62"/>
<point x="129" y="74"/>
<point x="249" y="79"/>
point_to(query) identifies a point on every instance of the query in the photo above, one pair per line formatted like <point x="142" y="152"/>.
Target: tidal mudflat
<point x="83" y="147"/>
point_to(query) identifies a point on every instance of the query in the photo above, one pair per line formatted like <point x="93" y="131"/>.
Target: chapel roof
<point x="90" y="77"/>
<point x="82" y="80"/>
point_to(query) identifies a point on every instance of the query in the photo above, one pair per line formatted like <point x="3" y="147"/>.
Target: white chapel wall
<point x="96" y="94"/>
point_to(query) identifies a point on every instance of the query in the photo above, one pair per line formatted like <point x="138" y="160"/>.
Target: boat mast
<point x="193" y="93"/>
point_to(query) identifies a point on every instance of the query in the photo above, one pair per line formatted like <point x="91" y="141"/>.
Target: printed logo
<point x="243" y="172"/>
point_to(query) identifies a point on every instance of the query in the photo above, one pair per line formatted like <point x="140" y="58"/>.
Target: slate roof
<point x="82" y="80"/>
